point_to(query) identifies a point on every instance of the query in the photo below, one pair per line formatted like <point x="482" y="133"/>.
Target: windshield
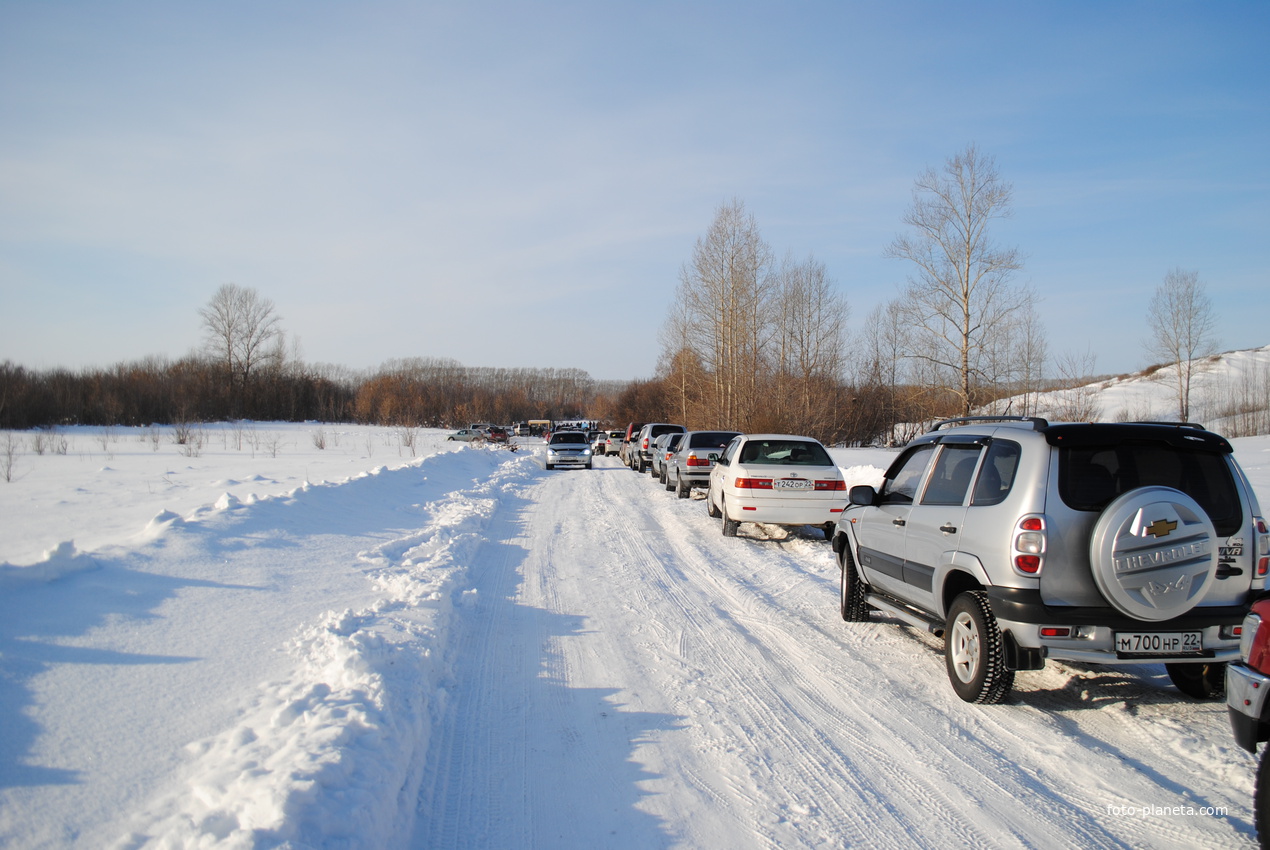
<point x="568" y="437"/>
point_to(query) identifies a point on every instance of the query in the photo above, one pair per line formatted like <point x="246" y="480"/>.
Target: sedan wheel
<point x="729" y="525"/>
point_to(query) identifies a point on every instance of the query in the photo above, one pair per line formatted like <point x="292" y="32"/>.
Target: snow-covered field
<point x="264" y="643"/>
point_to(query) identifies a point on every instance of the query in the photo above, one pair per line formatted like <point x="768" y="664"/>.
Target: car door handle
<point x="898" y="522"/>
<point x="948" y="529"/>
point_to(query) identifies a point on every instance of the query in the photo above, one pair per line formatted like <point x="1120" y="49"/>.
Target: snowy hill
<point x="1230" y="394"/>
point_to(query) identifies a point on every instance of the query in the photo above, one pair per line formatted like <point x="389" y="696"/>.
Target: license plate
<point x="1159" y="643"/>
<point x="791" y="484"/>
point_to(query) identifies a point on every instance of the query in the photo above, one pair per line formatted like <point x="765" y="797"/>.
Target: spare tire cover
<point x="1153" y="553"/>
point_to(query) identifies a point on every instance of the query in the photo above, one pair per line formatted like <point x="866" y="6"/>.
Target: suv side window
<point x="996" y="477"/>
<point x="951" y="476"/>
<point x="900" y="486"/>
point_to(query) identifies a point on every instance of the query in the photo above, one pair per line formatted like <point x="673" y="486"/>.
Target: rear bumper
<point x="1246" y="692"/>
<point x="1022" y="614"/>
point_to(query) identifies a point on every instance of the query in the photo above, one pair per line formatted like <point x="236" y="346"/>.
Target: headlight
<point x="587" y="450"/>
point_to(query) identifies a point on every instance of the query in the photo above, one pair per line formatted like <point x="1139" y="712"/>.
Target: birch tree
<point x="1180" y="317"/>
<point x="960" y="295"/>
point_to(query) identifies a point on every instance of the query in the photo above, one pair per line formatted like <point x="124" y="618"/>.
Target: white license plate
<point x="1159" y="643"/>
<point x="791" y="484"/>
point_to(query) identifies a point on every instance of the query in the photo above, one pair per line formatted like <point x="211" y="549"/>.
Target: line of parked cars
<point x="775" y="479"/>
<point x="1018" y="540"/>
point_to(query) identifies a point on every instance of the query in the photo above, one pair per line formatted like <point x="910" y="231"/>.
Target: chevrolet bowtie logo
<point x="1161" y="528"/>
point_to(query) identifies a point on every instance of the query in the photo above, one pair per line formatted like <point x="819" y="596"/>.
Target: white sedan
<point x="777" y="479"/>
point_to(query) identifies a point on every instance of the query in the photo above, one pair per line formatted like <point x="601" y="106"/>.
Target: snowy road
<point x="464" y="650"/>
<point x="631" y="678"/>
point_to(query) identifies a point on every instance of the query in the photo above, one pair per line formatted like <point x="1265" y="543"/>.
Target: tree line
<point x="750" y="342"/>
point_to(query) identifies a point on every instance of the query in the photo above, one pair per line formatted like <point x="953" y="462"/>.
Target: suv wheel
<point x="1201" y="681"/>
<point x="974" y="651"/>
<point x="851" y="597"/>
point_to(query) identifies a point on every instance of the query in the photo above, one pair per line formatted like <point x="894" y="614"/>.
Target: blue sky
<point x="519" y="184"/>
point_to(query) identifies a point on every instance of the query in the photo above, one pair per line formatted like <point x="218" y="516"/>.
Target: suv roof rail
<point x="1194" y="425"/>
<point x="1037" y="422"/>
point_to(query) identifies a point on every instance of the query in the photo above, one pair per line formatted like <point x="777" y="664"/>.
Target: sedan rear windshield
<point x="1089" y="477"/>
<point x="710" y="439"/>
<point x="785" y="453"/>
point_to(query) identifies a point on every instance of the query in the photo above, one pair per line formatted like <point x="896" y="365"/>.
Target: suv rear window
<point x="1089" y="477"/>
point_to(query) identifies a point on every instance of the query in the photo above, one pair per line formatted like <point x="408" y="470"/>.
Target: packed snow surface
<point x="399" y="641"/>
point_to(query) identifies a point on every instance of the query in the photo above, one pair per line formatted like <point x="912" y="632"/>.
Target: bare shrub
<point x="319" y="438"/>
<point x="406" y="437"/>
<point x="10" y="449"/>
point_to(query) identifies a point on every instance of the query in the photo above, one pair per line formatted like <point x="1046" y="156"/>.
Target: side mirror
<point x="719" y="459"/>
<point x="862" y="494"/>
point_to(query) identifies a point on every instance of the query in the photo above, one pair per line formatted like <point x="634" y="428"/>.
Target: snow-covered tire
<point x="851" y="596"/>
<point x="665" y="480"/>
<point x="1205" y="680"/>
<point x="729" y="525"/>
<point x="681" y="490"/>
<point x="1154" y="553"/>
<point x="974" y="651"/>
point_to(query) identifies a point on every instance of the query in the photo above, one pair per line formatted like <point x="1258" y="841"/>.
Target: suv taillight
<point x="1248" y="637"/>
<point x="1262" y="547"/>
<point x="1028" y="554"/>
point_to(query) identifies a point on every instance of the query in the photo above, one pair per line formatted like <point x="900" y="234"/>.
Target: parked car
<point x="612" y="443"/>
<point x="568" y="448"/>
<point x="628" y="442"/>
<point x="663" y="447"/>
<point x="1247" y="686"/>
<point x="496" y="435"/>
<point x="468" y="435"/>
<point x="692" y="461"/>
<point x="778" y="479"/>
<point x="1018" y="541"/>
<point x="640" y="457"/>
<point x="597" y="439"/>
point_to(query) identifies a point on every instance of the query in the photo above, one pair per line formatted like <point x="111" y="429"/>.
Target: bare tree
<point x="238" y="326"/>
<point x="960" y="297"/>
<point x="1182" y="330"/>
<point x="723" y="312"/>
<point x="810" y="344"/>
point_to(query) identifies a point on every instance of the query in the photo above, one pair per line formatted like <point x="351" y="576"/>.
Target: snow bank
<point x="333" y="755"/>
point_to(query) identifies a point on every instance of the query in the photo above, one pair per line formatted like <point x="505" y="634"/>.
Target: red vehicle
<point x="1247" y="689"/>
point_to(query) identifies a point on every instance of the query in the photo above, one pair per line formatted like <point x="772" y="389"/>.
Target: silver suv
<point x="1018" y="540"/>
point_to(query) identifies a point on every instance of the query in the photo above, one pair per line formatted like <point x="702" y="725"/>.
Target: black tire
<point x="851" y="596"/>
<point x="710" y="508"/>
<point x="829" y="529"/>
<point x="549" y="465"/>
<point x="1261" y="799"/>
<point x="665" y="479"/>
<point x="974" y="651"/>
<point x="1199" y="681"/>
<point x="729" y="525"/>
<point x="588" y="466"/>
<point x="680" y="490"/>
<point x="661" y="478"/>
